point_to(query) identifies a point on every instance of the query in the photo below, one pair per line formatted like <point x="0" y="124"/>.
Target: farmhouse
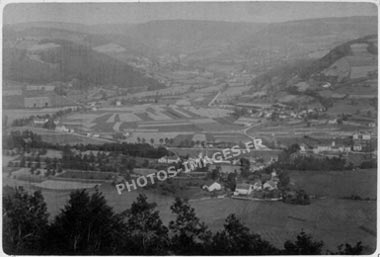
<point x="39" y="122"/>
<point x="213" y="187"/>
<point x="270" y="185"/>
<point x="61" y="129"/>
<point x="257" y="185"/>
<point x="243" y="189"/>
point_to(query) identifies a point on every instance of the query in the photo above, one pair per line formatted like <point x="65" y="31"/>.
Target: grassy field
<point x="70" y="139"/>
<point x="87" y="175"/>
<point x="337" y="184"/>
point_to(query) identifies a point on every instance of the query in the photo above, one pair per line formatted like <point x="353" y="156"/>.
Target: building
<point x="243" y="189"/>
<point x="361" y="142"/>
<point x="213" y="187"/>
<point x="62" y="129"/>
<point x="257" y="185"/>
<point x="339" y="147"/>
<point x="169" y="159"/>
<point x="37" y="102"/>
<point x="39" y="122"/>
<point x="270" y="185"/>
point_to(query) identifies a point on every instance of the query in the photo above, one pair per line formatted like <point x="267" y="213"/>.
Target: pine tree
<point x="25" y="220"/>
<point x="236" y="239"/>
<point x="304" y="245"/>
<point x="145" y="234"/>
<point x="189" y="235"/>
<point x="87" y="225"/>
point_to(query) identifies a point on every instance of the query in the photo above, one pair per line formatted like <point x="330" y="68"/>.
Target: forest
<point x="87" y="225"/>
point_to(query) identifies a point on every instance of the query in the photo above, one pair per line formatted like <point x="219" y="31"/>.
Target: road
<point x="213" y="100"/>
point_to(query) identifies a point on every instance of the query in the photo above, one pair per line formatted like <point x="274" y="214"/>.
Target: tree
<point x="347" y="249"/>
<point x="145" y="164"/>
<point x="236" y="239"/>
<point x="245" y="166"/>
<point x="284" y="180"/>
<point x="190" y="236"/>
<point x="146" y="234"/>
<point x="304" y="245"/>
<point x="214" y="174"/>
<point x="231" y="181"/>
<point x="25" y="220"/>
<point x="86" y="225"/>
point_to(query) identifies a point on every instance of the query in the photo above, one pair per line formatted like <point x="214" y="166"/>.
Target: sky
<point x="100" y="13"/>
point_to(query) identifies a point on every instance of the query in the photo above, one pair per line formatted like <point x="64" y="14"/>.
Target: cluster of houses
<point x="245" y="189"/>
<point x="280" y="111"/>
<point x="361" y="142"/>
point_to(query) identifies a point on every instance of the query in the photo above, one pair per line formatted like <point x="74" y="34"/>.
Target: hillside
<point x="347" y="70"/>
<point x="61" y="60"/>
<point x="158" y="46"/>
<point x="297" y="37"/>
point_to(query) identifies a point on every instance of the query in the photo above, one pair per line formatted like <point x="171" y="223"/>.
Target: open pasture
<point x="86" y="119"/>
<point x="86" y="175"/>
<point x="71" y="139"/>
<point x="337" y="184"/>
<point x="361" y="71"/>
<point x="64" y="185"/>
<point x="364" y="60"/>
<point x="212" y="112"/>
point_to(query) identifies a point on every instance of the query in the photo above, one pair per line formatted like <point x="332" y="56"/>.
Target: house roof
<point x="270" y="183"/>
<point x="215" y="183"/>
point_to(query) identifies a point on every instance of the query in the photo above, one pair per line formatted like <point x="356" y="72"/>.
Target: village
<point x="126" y="113"/>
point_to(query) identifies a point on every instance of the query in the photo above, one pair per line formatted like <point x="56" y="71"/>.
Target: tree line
<point x="27" y="140"/>
<point x="87" y="225"/>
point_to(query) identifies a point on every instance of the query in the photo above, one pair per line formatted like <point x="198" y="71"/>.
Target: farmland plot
<point x="361" y="71"/>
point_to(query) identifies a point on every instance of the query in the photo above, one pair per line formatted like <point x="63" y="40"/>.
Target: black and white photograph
<point x="189" y="128"/>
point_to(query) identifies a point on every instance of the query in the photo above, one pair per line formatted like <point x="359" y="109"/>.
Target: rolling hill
<point x="346" y="69"/>
<point x="104" y="48"/>
<point x="61" y="60"/>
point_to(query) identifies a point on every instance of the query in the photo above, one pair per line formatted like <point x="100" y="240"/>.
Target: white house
<point x="213" y="187"/>
<point x="61" y="129"/>
<point x="243" y="189"/>
<point x="326" y="85"/>
<point x="258" y="185"/>
<point x="38" y="121"/>
<point x="270" y="185"/>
